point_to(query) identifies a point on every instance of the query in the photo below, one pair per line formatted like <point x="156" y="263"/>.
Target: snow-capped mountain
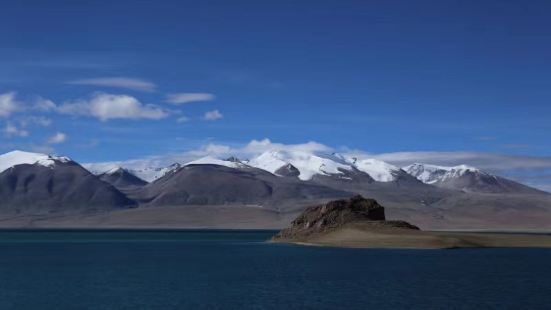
<point x="466" y="178"/>
<point x="151" y="174"/>
<point x="144" y="171"/>
<point x="332" y="169"/>
<point x="283" y="163"/>
<point x="307" y="164"/>
<point x="279" y="180"/>
<point x="280" y="162"/>
<point x="14" y="158"/>
<point x="43" y="183"/>
<point x="431" y="174"/>
<point x="207" y="183"/>
<point x="231" y="162"/>
<point x="379" y="170"/>
<point x="122" y="179"/>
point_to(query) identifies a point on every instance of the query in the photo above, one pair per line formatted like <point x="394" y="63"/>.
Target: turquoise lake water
<point x="237" y="270"/>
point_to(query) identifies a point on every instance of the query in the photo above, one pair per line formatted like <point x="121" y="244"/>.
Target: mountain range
<point x="265" y="191"/>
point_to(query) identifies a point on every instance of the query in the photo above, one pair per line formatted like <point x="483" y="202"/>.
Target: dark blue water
<point x="221" y="269"/>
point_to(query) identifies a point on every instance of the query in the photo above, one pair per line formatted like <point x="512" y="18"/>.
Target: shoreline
<point x="246" y="229"/>
<point x="360" y="235"/>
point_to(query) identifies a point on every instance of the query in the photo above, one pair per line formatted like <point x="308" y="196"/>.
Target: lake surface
<point x="236" y="269"/>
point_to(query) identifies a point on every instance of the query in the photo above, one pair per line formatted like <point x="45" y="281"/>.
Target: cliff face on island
<point x="339" y="213"/>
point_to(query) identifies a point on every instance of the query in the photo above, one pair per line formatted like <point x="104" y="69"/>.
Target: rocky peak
<point x="338" y="213"/>
<point x="233" y="159"/>
<point x="288" y="171"/>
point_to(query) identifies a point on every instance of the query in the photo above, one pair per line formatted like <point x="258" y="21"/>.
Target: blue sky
<point x="378" y="76"/>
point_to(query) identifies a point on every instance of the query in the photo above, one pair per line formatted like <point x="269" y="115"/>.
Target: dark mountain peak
<point x="43" y="187"/>
<point x="122" y="179"/>
<point x="233" y="159"/>
<point x="219" y="185"/>
<point x="467" y="179"/>
<point x="116" y="170"/>
<point x="288" y="170"/>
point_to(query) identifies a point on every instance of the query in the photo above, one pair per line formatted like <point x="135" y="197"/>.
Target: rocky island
<point x="361" y="223"/>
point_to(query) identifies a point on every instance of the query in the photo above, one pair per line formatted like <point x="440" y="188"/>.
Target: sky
<point x="120" y="80"/>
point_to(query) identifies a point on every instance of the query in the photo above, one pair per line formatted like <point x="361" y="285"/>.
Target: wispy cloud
<point x="44" y="105"/>
<point x="213" y="115"/>
<point x="8" y="104"/>
<point x="107" y="106"/>
<point x="58" y="138"/>
<point x="12" y="131"/>
<point x="117" y="82"/>
<point x="183" y="98"/>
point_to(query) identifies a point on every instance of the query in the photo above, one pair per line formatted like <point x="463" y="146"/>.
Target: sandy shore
<point x="365" y="236"/>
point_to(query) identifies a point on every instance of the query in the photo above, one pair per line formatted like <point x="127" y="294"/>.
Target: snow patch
<point x="377" y="169"/>
<point x="209" y="160"/>
<point x="308" y="164"/>
<point x="148" y="174"/>
<point x="431" y="174"/>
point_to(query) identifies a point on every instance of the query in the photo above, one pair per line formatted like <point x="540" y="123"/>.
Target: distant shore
<point x="359" y="235"/>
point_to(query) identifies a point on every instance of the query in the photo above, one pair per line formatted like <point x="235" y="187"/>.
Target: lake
<point x="237" y="269"/>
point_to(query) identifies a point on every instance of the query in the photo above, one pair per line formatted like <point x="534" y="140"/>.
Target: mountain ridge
<point x="39" y="186"/>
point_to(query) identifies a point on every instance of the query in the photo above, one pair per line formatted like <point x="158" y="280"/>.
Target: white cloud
<point x="12" y="131"/>
<point x="183" y="98"/>
<point x="57" y="138"/>
<point x="44" y="105"/>
<point x="8" y="104"/>
<point x="213" y="115"/>
<point x="106" y="106"/>
<point x="261" y="146"/>
<point x="118" y="82"/>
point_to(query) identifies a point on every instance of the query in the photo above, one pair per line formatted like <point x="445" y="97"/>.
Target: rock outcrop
<point x="339" y="213"/>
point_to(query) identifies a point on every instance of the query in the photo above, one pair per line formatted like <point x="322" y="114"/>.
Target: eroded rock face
<point x="288" y="171"/>
<point x="338" y="213"/>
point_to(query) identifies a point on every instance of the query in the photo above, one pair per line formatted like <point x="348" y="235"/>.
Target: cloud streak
<point x="117" y="82"/>
<point x="185" y="98"/>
